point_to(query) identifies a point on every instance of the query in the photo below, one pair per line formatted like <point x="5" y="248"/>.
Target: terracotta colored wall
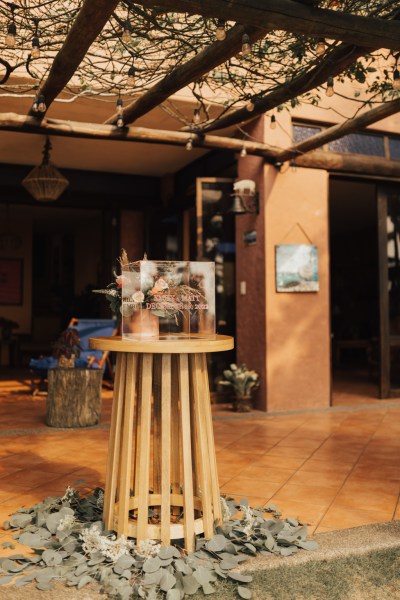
<point x="298" y="329"/>
<point x="250" y="260"/>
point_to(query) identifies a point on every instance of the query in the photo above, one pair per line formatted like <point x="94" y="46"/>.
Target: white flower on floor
<point x="115" y="548"/>
<point x="248" y="519"/>
<point x="69" y="494"/>
<point x="147" y="548"/>
<point x="92" y="540"/>
<point x="100" y="500"/>
<point x="225" y="510"/>
<point x="111" y="548"/>
<point x="66" y="522"/>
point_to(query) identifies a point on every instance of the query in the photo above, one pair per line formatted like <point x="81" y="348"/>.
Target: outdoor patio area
<point x="332" y="469"/>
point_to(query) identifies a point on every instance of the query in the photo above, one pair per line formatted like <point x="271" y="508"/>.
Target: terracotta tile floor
<point x="333" y="469"/>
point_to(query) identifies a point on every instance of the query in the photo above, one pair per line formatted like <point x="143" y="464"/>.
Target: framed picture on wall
<point x="296" y="268"/>
<point x="11" y="282"/>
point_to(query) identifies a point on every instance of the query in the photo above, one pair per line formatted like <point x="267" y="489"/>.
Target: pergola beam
<point x="293" y="16"/>
<point x="317" y="159"/>
<point x="89" y="22"/>
<point x="331" y="65"/>
<point x="337" y="131"/>
<point x="356" y="164"/>
<point x="93" y="131"/>
<point x="184" y="74"/>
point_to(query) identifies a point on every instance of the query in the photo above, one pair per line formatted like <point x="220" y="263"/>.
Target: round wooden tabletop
<point x="192" y="345"/>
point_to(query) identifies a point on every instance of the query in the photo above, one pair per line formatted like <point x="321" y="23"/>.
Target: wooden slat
<point x="157" y="399"/>
<point x="144" y="448"/>
<point x="193" y="69"/>
<point x="206" y="408"/>
<point x="91" y="19"/>
<point x="188" y="504"/>
<point x="175" y="429"/>
<point x="126" y="446"/>
<point x="202" y="445"/>
<point x="114" y="441"/>
<point x="166" y="449"/>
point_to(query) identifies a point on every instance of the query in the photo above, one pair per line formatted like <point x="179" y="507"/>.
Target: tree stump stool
<point x="161" y="479"/>
<point x="73" y="397"/>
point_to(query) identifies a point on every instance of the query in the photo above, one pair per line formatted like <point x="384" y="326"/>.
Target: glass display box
<point x="168" y="300"/>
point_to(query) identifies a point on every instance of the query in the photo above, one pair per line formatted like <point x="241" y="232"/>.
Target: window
<point x="303" y="132"/>
<point x="394" y="148"/>
<point x="359" y="143"/>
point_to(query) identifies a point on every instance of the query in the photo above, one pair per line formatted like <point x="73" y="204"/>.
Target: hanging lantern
<point x="45" y="183"/>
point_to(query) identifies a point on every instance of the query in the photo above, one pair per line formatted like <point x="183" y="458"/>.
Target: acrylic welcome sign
<point x="167" y="300"/>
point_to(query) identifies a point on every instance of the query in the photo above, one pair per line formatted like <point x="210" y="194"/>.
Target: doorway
<point x="354" y="276"/>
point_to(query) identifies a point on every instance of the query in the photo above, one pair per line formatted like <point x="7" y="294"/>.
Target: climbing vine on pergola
<point x="270" y="54"/>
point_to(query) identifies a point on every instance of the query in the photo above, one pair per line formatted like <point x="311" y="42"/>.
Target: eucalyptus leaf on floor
<point x="71" y="545"/>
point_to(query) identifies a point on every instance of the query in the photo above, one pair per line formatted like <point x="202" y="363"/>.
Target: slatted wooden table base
<point x="161" y="479"/>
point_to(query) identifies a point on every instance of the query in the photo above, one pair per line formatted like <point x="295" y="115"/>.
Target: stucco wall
<point x="250" y="271"/>
<point x="297" y="328"/>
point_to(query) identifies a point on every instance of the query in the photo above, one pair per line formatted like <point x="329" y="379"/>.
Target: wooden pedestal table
<point x="162" y="480"/>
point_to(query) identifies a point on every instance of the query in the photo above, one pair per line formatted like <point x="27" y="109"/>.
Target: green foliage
<point x="71" y="545"/>
<point x="241" y="379"/>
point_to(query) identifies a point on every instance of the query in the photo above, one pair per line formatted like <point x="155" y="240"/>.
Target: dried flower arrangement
<point x="163" y="296"/>
<point x="68" y="344"/>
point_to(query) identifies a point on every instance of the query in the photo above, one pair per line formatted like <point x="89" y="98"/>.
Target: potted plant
<point x="66" y="348"/>
<point x="244" y="382"/>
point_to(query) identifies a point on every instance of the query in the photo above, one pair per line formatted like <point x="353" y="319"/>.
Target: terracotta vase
<point x="144" y="324"/>
<point x="66" y="363"/>
<point x="242" y="404"/>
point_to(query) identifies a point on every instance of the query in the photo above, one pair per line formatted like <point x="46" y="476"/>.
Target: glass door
<point x="389" y="285"/>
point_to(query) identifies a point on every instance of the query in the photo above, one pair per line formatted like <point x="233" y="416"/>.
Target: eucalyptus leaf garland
<point x="71" y="545"/>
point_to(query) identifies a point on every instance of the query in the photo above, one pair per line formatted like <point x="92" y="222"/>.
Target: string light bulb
<point x="396" y="80"/>
<point x="243" y="152"/>
<point x="41" y="104"/>
<point x="329" y="87"/>
<point x="189" y="144"/>
<point x="320" y="47"/>
<point x="120" y="119"/>
<point x="293" y="166"/>
<point x="35" y="52"/>
<point x="12" y="28"/>
<point x="220" y="32"/>
<point x="131" y="76"/>
<point x="246" y="46"/>
<point x="127" y="32"/>
<point x="10" y="37"/>
<point x="250" y="105"/>
<point x="272" y="123"/>
<point x="196" y="116"/>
